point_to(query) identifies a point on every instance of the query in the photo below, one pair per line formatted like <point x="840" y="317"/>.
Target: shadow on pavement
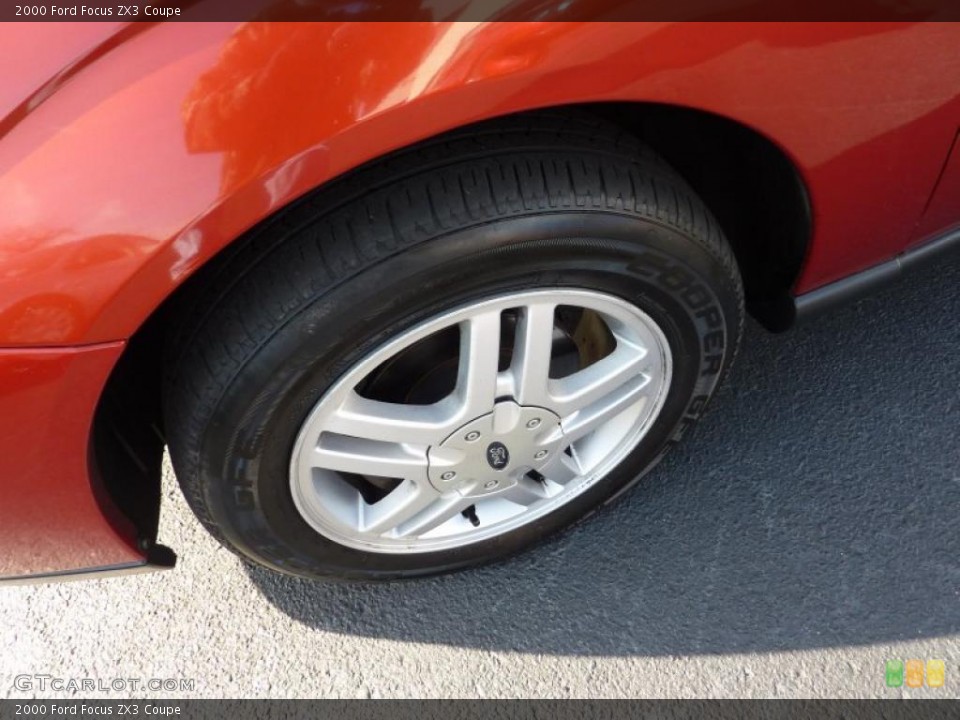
<point x="817" y="504"/>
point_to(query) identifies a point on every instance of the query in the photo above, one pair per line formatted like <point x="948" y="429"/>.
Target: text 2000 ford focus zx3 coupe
<point x="404" y="298"/>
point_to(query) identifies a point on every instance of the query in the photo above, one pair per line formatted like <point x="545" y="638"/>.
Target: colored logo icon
<point x="897" y="673"/>
<point x="914" y="673"/>
<point x="894" y="673"/>
<point x="936" y="672"/>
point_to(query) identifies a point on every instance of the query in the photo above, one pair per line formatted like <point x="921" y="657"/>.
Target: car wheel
<point x="450" y="355"/>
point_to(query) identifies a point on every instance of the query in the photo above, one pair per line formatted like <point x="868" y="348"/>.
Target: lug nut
<point x="535" y="423"/>
<point x="540" y="455"/>
<point x="449" y="475"/>
<point x="471" y="436"/>
<point x="490" y="484"/>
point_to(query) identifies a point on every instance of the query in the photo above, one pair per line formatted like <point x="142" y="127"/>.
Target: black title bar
<point x="477" y="10"/>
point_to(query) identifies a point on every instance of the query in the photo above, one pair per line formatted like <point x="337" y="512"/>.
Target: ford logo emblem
<point x="498" y="456"/>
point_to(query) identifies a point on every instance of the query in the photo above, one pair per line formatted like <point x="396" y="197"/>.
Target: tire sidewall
<point x="672" y="277"/>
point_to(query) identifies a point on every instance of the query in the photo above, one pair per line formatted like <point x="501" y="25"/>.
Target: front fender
<point x="156" y="153"/>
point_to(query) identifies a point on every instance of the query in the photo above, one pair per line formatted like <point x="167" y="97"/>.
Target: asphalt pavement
<point x="805" y="533"/>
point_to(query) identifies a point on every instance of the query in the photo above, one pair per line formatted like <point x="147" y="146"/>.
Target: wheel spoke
<point x="588" y="419"/>
<point x="526" y="492"/>
<point x="479" y="360"/>
<point x="360" y="417"/>
<point x="562" y="469"/>
<point x="404" y="502"/>
<point x="369" y="457"/>
<point x="596" y="381"/>
<point x="532" y="353"/>
<point x="434" y="515"/>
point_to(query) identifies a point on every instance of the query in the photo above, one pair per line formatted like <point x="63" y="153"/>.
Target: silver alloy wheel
<point x="504" y="448"/>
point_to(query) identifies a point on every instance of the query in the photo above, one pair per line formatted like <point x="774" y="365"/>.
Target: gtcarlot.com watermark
<point x="47" y="683"/>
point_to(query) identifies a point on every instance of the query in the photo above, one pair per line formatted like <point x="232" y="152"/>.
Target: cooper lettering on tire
<point x="450" y="354"/>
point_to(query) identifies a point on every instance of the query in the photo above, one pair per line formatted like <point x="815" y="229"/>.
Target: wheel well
<point x="749" y="184"/>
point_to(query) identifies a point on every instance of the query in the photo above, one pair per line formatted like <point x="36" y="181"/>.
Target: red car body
<point x="131" y="155"/>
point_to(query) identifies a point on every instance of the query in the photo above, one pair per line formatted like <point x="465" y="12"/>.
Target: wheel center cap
<point x="497" y="455"/>
<point x="489" y="454"/>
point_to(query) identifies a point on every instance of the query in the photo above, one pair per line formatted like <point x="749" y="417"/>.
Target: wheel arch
<point x="128" y="433"/>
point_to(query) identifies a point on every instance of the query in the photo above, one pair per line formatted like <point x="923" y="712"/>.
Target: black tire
<point x="540" y="201"/>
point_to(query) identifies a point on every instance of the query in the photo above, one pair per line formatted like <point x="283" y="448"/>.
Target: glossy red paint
<point x="132" y="155"/>
<point x="943" y="207"/>
<point x="50" y="520"/>
<point x="153" y="156"/>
